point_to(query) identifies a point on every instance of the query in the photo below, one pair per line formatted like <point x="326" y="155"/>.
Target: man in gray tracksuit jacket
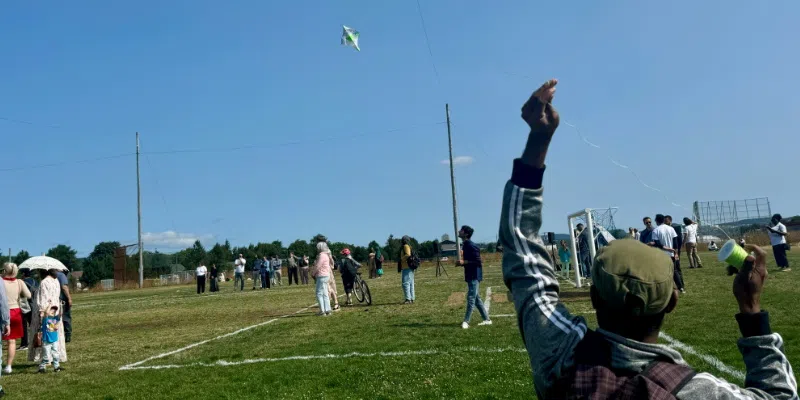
<point x="629" y="313"/>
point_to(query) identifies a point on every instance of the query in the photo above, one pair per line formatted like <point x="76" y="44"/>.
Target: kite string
<point x="638" y="178"/>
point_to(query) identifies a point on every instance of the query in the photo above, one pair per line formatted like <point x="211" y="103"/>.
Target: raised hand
<point x="749" y="281"/>
<point x="543" y="120"/>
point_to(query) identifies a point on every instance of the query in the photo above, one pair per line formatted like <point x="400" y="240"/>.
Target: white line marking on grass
<point x="223" y="363"/>
<point x="488" y="302"/>
<point x="503" y="315"/>
<point x="715" y="362"/>
<point x="182" y="349"/>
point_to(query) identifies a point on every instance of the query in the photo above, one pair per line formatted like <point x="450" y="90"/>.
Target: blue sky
<point x="699" y="97"/>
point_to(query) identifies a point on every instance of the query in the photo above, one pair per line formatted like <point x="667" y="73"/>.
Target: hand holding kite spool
<point x="732" y="254"/>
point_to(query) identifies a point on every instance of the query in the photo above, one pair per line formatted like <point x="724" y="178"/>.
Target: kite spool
<point x="732" y="253"/>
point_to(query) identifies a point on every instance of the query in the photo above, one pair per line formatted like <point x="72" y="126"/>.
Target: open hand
<point x="749" y="281"/>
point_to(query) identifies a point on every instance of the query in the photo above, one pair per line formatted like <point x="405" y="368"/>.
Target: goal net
<point x="601" y="221"/>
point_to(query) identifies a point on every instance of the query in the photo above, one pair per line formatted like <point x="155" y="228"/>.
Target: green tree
<point x="95" y="270"/>
<point x="220" y="254"/>
<point x="65" y="254"/>
<point x="21" y="257"/>
<point x="301" y="248"/>
<point x="195" y="256"/>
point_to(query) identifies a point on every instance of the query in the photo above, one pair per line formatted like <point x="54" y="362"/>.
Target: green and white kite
<point x="350" y="37"/>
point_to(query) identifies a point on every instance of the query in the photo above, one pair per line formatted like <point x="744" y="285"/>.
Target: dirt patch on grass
<point x="574" y="296"/>
<point x="456" y="299"/>
<point x="499" y="298"/>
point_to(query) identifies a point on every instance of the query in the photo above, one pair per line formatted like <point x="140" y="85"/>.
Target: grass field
<point x="179" y="345"/>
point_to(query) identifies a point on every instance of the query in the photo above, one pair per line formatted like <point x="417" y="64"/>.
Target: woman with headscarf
<point x="378" y="262"/>
<point x="48" y="295"/>
<point x="349" y="270"/>
<point x="406" y="271"/>
<point x="322" y="274"/>
<point x="17" y="292"/>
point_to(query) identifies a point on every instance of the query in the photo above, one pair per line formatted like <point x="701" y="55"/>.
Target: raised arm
<point x="769" y="374"/>
<point x="549" y="331"/>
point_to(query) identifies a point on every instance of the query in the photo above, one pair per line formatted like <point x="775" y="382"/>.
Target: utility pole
<point x="139" y="215"/>
<point x="453" y="183"/>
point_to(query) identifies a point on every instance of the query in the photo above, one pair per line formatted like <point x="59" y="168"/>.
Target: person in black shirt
<point x="473" y="275"/>
<point x="214" y="276"/>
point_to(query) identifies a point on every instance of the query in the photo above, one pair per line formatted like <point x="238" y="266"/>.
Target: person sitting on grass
<point x="349" y="269"/>
<point x="712" y="246"/>
<point x="49" y="334"/>
<point x="473" y="275"/>
<point x="632" y="291"/>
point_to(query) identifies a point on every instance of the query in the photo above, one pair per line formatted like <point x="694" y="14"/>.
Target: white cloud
<point x="460" y="160"/>
<point x="172" y="239"/>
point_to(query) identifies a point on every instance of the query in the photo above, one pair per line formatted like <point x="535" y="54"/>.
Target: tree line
<point x="99" y="264"/>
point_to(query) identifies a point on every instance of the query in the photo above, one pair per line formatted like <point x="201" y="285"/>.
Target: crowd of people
<point x="37" y="313"/>
<point x="634" y="286"/>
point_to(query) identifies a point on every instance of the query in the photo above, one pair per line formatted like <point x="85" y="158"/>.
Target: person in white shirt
<point x="690" y="240"/>
<point x="777" y="238"/>
<point x="200" y="274"/>
<point x="636" y="234"/>
<point x="238" y="273"/>
<point x="663" y="237"/>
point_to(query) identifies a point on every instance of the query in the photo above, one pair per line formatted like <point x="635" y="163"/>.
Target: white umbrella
<point x="43" y="262"/>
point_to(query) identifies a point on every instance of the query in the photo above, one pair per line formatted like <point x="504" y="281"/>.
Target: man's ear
<point x="673" y="301"/>
<point x="596" y="300"/>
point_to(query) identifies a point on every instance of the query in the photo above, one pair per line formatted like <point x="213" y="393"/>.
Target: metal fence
<point x="179" y="278"/>
<point x="108" y="284"/>
<point x="732" y="212"/>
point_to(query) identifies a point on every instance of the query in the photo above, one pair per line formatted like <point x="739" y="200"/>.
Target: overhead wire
<point x="217" y="149"/>
<point x="428" y="43"/>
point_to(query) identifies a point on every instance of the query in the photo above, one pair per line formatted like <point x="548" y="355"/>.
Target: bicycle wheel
<point x="367" y="294"/>
<point x="357" y="289"/>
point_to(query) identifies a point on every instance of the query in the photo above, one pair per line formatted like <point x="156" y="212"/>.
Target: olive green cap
<point x="628" y="267"/>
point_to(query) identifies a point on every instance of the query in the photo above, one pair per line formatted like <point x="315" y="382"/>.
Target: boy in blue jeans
<point x="50" y="340"/>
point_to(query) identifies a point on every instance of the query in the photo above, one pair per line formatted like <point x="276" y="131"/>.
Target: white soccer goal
<point x="602" y="221"/>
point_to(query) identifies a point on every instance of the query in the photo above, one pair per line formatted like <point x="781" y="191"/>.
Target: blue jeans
<point x="264" y="278"/>
<point x="238" y="280"/>
<point x="323" y="297"/>
<point x="474" y="300"/>
<point x="586" y="264"/>
<point x="408" y="284"/>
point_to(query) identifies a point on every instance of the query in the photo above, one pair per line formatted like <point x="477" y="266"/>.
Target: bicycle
<point x="361" y="290"/>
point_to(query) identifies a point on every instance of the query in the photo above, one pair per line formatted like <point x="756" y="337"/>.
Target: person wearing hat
<point x="632" y="292"/>
<point x="777" y="238"/>
<point x="473" y="275"/>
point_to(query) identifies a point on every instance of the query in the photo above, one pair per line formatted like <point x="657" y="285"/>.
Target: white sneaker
<point x="465" y="325"/>
<point x="7" y="369"/>
<point x="487" y="322"/>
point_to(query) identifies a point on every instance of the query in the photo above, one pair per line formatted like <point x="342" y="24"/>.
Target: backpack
<point x="592" y="377"/>
<point x="413" y="260"/>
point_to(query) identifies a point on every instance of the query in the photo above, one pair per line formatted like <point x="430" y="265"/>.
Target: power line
<point x="216" y="149"/>
<point x="62" y="163"/>
<point x="428" y="42"/>
<point x="284" y="144"/>
<point x="19" y="121"/>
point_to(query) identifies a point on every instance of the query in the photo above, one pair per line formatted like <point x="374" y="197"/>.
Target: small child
<point x="50" y="350"/>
